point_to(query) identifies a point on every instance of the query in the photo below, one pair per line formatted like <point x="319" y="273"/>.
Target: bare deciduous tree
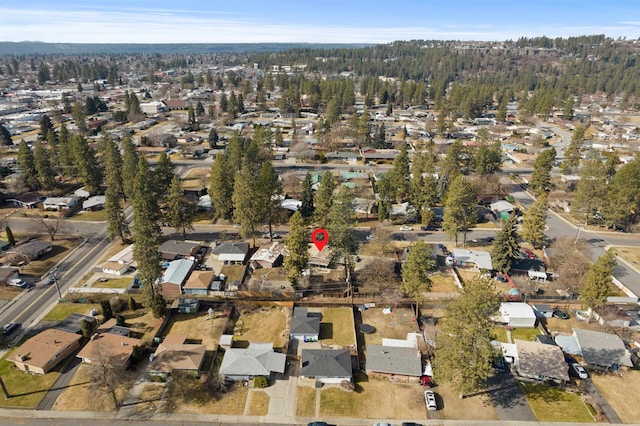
<point x="52" y="226"/>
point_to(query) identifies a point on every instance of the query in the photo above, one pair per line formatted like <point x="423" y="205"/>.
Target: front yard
<point x="553" y="404"/>
<point x="25" y="390"/>
<point x="621" y="392"/>
<point x="196" y="327"/>
<point x="476" y="407"/>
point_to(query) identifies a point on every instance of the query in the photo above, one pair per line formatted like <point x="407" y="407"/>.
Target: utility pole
<point x="55" y="282"/>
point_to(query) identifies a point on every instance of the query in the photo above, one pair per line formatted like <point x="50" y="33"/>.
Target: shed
<point x="543" y="310"/>
<point x="516" y="314"/>
<point x="186" y="306"/>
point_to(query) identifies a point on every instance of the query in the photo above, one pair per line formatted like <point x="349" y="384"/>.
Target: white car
<point x="430" y="400"/>
<point x="580" y="371"/>
<point x="406" y="228"/>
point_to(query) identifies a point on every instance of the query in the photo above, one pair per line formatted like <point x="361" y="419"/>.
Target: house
<point x="120" y="262"/>
<point x="472" y="259"/>
<point x="516" y="314"/>
<point x="93" y="203"/>
<point x="349" y="157"/>
<point x="232" y="253"/>
<point x="502" y="209"/>
<point x="326" y="365"/>
<point x="305" y="326"/>
<point x="611" y="316"/>
<point x="45" y="350"/>
<point x="269" y="256"/>
<point x="34" y="249"/>
<point x="153" y="107"/>
<point x="8" y="273"/>
<point x="600" y="349"/>
<point x="174" y="249"/>
<point x="539" y="361"/>
<point x="110" y="349"/>
<point x="543" y="310"/>
<point x="60" y="203"/>
<point x="175" y="276"/>
<point x="28" y="201"/>
<point x="174" y="354"/>
<point x="199" y="282"/>
<point x="186" y="306"/>
<point x="82" y="193"/>
<point x="175" y="104"/>
<point x="258" y="359"/>
<point x="393" y="360"/>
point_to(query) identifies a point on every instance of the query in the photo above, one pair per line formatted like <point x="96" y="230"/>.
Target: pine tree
<point x="85" y="161"/>
<point x="324" y="198"/>
<point x="535" y="221"/>
<point x="591" y="191"/>
<point x="399" y="175"/>
<point x="572" y="154"/>
<point x="10" y="238"/>
<point x="247" y="207"/>
<point x="506" y="247"/>
<point x="46" y="176"/>
<point x="129" y="166"/>
<point x="164" y="173"/>
<point x="307" y="207"/>
<point x="341" y="220"/>
<point x="65" y="152"/>
<point x="415" y="272"/>
<point x="26" y="163"/>
<point x="269" y="190"/>
<point x="385" y="197"/>
<point x="213" y="138"/>
<point x="221" y="183"/>
<point x="117" y="226"/>
<point x="79" y="117"/>
<point x="45" y="125"/>
<point x="180" y="209"/>
<point x="541" y="177"/>
<point x="459" y="209"/>
<point x="107" y="312"/>
<point x="464" y="351"/>
<point x="297" y="247"/>
<point x="596" y="287"/>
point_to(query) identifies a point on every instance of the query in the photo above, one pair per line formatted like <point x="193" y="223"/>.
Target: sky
<point x="323" y="21"/>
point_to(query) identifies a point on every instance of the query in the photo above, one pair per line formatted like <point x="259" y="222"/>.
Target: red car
<point x="530" y="254"/>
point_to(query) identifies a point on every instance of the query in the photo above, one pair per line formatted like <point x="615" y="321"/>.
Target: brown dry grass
<point x="142" y="322"/>
<point x="114" y="248"/>
<point x="231" y="403"/>
<point x="197" y="328"/>
<point x="621" y="391"/>
<point x="443" y="283"/>
<point x="258" y="403"/>
<point x="479" y="407"/>
<point x="306" y="402"/>
<point x="630" y="254"/>
<point x="566" y="326"/>
<point x="337" y="326"/>
<point x="266" y="324"/>
<point x="78" y="396"/>
<point x="395" y="325"/>
<point x="374" y="398"/>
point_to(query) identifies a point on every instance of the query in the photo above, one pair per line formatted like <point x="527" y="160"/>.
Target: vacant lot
<point x="394" y="325"/>
<point x="337" y="326"/>
<point x="374" y="398"/>
<point x="478" y="407"/>
<point x="25" y="390"/>
<point x="197" y="328"/>
<point x="263" y="324"/>
<point x="552" y="404"/>
<point x="231" y="403"/>
<point x="621" y="391"/>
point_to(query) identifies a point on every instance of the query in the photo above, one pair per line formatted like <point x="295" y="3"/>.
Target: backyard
<point x="196" y="327"/>
<point x="263" y="324"/>
<point x="443" y="282"/>
<point x="337" y="326"/>
<point x="553" y="404"/>
<point x="394" y="325"/>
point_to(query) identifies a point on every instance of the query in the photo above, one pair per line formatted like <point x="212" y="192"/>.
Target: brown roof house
<point x="175" y="276"/>
<point x="199" y="282"/>
<point x="45" y="350"/>
<point x="110" y="349"/>
<point x="7" y="274"/>
<point x="174" y="354"/>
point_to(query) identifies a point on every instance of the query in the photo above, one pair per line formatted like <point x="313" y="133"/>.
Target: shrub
<point x="260" y="382"/>
<point x="117" y="304"/>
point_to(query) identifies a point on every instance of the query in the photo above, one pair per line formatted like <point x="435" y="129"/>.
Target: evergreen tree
<point x="324" y="198"/>
<point x="10" y="238"/>
<point x="27" y="164"/>
<point x="117" y="226"/>
<point x="572" y="155"/>
<point x="591" y="190"/>
<point x="86" y="163"/>
<point x="199" y="109"/>
<point x="54" y="149"/>
<point x="129" y="166"/>
<point x="535" y="221"/>
<point x="164" y="173"/>
<point x="191" y="114"/>
<point x="79" y="117"/>
<point x="307" y="207"/>
<point x="247" y="207"/>
<point x="506" y="247"/>
<point x="596" y="287"/>
<point x="399" y="175"/>
<point x="297" y="247"/>
<point x="45" y="126"/>
<point x="180" y="209"/>
<point x="459" y="209"/>
<point x="385" y="197"/>
<point x="464" y="351"/>
<point x="541" y="177"/>
<point x="213" y="138"/>
<point x="46" y="176"/>
<point x="5" y="137"/>
<point x="269" y="190"/>
<point x="415" y="272"/>
<point x="221" y="183"/>
<point x="107" y="312"/>
<point x="341" y="219"/>
<point x="65" y="152"/>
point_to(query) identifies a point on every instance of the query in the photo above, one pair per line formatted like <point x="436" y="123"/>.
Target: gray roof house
<point x="326" y="365"/>
<point x="394" y="360"/>
<point x="258" y="359"/>
<point x="175" y="249"/>
<point x="602" y="349"/>
<point x="231" y="252"/>
<point x="540" y="361"/>
<point x="175" y="275"/>
<point x="305" y="326"/>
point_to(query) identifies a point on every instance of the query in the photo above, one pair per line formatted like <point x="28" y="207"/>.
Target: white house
<point x="60" y="203"/>
<point x="120" y="262"/>
<point x="472" y="258"/>
<point x="516" y="314"/>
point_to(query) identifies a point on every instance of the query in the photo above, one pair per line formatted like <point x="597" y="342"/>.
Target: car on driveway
<point x="430" y="400"/>
<point x="579" y="370"/>
<point x="560" y="314"/>
<point x="406" y="228"/>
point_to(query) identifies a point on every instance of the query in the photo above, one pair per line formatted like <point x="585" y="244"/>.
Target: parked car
<point x="406" y="228"/>
<point x="530" y="254"/>
<point x="8" y="328"/>
<point x="579" y="370"/>
<point x="17" y="282"/>
<point x="500" y="278"/>
<point x="560" y="314"/>
<point x="317" y="424"/>
<point x="430" y="400"/>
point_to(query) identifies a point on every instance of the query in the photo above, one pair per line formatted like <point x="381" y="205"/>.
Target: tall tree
<point x="269" y="190"/>
<point x="324" y="198"/>
<point x="307" y="207"/>
<point x="541" y="177"/>
<point x="488" y="159"/>
<point x="180" y="210"/>
<point x="468" y="324"/>
<point x="415" y="272"/>
<point x="341" y="219"/>
<point x="65" y="151"/>
<point x="117" y="226"/>
<point x="623" y="196"/>
<point x="129" y="166"/>
<point x="27" y="164"/>
<point x="506" y="247"/>
<point x="573" y="153"/>
<point x="247" y="207"/>
<point x="86" y="162"/>
<point x="79" y="117"/>
<point x="459" y="209"/>
<point x="298" y="248"/>
<point x="45" y="125"/>
<point x="221" y="182"/>
<point x="535" y="221"/>
<point x="399" y="175"/>
<point x="213" y="138"/>
<point x="164" y="173"/>
<point x="596" y="287"/>
<point x="46" y="175"/>
<point x="385" y="197"/>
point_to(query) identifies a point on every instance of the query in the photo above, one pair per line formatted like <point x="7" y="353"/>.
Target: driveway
<point x="508" y="399"/>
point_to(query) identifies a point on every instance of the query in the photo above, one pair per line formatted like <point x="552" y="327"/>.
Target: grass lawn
<point x="8" y="293"/>
<point x="630" y="254"/>
<point x="501" y="334"/>
<point x="64" y="309"/>
<point x="266" y="324"/>
<point x="551" y="404"/>
<point x="26" y="390"/>
<point x="525" y="334"/>
<point x="477" y="407"/>
<point x="621" y="391"/>
<point x="94" y="216"/>
<point x="59" y="250"/>
<point x="374" y="398"/>
<point x="113" y="283"/>
<point x="232" y="272"/>
<point x="114" y="248"/>
<point x="197" y="328"/>
<point x="567" y="326"/>
<point x="306" y="402"/>
<point x="395" y="325"/>
<point x="443" y="283"/>
<point x="338" y="327"/>
<point x="231" y="403"/>
<point x="143" y="324"/>
<point x="259" y="404"/>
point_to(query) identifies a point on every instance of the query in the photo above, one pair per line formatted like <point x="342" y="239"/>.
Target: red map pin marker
<point x="320" y="238"/>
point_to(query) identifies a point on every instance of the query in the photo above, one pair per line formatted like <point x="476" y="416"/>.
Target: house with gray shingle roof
<point x="258" y="359"/>
<point x="392" y="360"/>
<point x="540" y="361"/>
<point x="326" y="365"/>
<point x="305" y="326"/>
<point x="233" y="253"/>
<point x="602" y="349"/>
